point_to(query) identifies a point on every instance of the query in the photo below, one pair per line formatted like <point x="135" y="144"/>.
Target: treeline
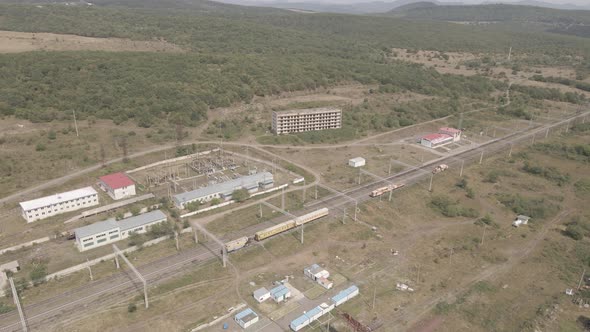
<point x="549" y="94"/>
<point x="180" y="88"/>
<point x="564" y="81"/>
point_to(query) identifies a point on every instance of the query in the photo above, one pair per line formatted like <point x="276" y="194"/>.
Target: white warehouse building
<point x="225" y="190"/>
<point x="111" y="230"/>
<point x="49" y="206"/>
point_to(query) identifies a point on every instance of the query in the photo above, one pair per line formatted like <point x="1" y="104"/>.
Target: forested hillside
<point x="561" y="21"/>
<point x="232" y="54"/>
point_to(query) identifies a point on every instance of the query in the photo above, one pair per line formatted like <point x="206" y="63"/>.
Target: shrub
<point x="240" y="195"/>
<point x="38" y="274"/>
<point x="449" y="208"/>
<point x="131" y="307"/>
<point x="574" y="231"/>
<point x="40" y="147"/>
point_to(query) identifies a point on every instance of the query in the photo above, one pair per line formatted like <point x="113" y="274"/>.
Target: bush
<point x="449" y="208"/>
<point x="215" y="201"/>
<point x="131" y="307"/>
<point x="161" y="229"/>
<point x="136" y="239"/>
<point x="533" y="207"/>
<point x="574" y="231"/>
<point x="40" y="147"/>
<point x="240" y="195"/>
<point x="38" y="274"/>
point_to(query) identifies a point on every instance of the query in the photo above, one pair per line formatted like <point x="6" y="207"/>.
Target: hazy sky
<point x="572" y="2"/>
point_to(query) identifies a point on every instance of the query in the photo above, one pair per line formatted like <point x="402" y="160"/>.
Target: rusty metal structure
<point x="360" y="327"/>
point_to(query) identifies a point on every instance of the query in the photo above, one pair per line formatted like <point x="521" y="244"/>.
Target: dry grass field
<point x="17" y="42"/>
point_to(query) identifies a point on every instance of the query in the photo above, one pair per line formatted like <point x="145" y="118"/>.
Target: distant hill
<point x="555" y="20"/>
<point x="416" y="5"/>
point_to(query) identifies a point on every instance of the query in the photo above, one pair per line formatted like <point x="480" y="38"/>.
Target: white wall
<point x="63" y="207"/>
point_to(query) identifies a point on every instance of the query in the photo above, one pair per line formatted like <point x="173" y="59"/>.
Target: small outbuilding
<point x="315" y="272"/>
<point x="280" y="293"/>
<point x="261" y="294"/>
<point x="117" y="185"/>
<point x="246" y="318"/>
<point x="357" y="162"/>
<point x="453" y="132"/>
<point x="436" y="140"/>
<point x="521" y="220"/>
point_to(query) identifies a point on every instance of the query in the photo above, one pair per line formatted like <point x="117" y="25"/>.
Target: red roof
<point x="116" y="180"/>
<point x="450" y="130"/>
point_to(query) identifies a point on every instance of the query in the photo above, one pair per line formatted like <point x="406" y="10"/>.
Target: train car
<point x="383" y="190"/>
<point x="290" y="224"/>
<point x="304" y="219"/>
<point x="274" y="230"/>
<point x="440" y="168"/>
<point x="236" y="244"/>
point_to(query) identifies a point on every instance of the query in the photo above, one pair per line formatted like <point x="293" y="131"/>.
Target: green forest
<point x="233" y="53"/>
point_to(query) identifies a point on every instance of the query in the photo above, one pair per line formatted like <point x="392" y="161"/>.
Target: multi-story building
<point x="297" y="121"/>
<point x="111" y="230"/>
<point x="49" y="206"/>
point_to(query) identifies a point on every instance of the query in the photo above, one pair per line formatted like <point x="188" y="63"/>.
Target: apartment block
<point x="297" y="121"/>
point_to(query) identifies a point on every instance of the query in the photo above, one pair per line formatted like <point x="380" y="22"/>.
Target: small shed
<point x="315" y="272"/>
<point x="357" y="162"/>
<point x="261" y="294"/>
<point x="521" y="220"/>
<point x="280" y="293"/>
<point x="246" y="318"/>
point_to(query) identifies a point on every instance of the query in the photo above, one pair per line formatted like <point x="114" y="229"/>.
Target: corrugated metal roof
<point x="97" y="227"/>
<point x="279" y="291"/>
<point x="299" y="320"/>
<point x="57" y="198"/>
<point x="123" y="225"/>
<point x="225" y="187"/>
<point x="243" y="314"/>
<point x="116" y="180"/>
<point x="141" y="219"/>
<point x="344" y="293"/>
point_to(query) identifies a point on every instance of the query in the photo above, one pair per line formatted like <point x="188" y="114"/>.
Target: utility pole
<point x="355" y="209"/>
<point x="510" y="152"/>
<point x="389" y="171"/>
<point x="547" y="133"/>
<point x="76" y="124"/>
<point x="460" y="120"/>
<point x="533" y="142"/>
<point x="431" y="178"/>
<point x="283" y="199"/>
<point x="344" y="216"/>
<point x="302" y="233"/>
<point x="359" y="182"/>
<point x="139" y="276"/>
<point x="509" y="53"/>
<point x="260" y="209"/>
<point x="461" y="172"/>
<point x="581" y="279"/>
<point x="451" y="257"/>
<point x="176" y="239"/>
<point x="483" y="235"/>
<point x="374" y="296"/>
<point x="21" y="314"/>
<point x="316" y="192"/>
<point x="418" y="274"/>
<point x="481" y="157"/>
<point x="303" y="198"/>
<point x="89" y="269"/>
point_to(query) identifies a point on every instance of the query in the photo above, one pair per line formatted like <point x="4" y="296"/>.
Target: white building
<point x="319" y="275"/>
<point x="436" y="140"/>
<point x="109" y="231"/>
<point x="261" y="294"/>
<point x="117" y="185"/>
<point x="225" y="190"/>
<point x="246" y="318"/>
<point x="455" y="133"/>
<point x="356" y="162"/>
<point x="521" y="220"/>
<point x="49" y="206"/>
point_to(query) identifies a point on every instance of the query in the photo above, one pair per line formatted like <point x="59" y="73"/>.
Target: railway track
<point x="86" y="299"/>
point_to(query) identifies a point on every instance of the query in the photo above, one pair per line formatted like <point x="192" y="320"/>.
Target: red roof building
<point x="456" y="133"/>
<point x="117" y="185"/>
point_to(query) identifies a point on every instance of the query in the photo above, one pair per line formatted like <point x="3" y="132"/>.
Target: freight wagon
<point x="290" y="224"/>
<point x="236" y="244"/>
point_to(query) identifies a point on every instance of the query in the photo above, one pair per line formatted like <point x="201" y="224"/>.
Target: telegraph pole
<point x="483" y="235"/>
<point x="461" y="172"/>
<point x="430" y="186"/>
<point x="76" y="124"/>
<point x="481" y="157"/>
<point x="23" y="320"/>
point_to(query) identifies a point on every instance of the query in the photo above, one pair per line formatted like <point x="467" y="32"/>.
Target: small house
<point x="117" y="185"/>
<point x="315" y="272"/>
<point x="356" y="162"/>
<point x="246" y="318"/>
<point x="261" y="295"/>
<point x="521" y="220"/>
<point x="280" y="293"/>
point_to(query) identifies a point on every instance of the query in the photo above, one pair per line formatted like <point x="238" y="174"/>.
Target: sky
<point x="584" y="3"/>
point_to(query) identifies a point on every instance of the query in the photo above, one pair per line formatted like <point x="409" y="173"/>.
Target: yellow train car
<point x="274" y="230"/>
<point x="287" y="225"/>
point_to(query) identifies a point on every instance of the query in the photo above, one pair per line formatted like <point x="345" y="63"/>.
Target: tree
<point x="240" y="195"/>
<point x="574" y="231"/>
<point x="38" y="274"/>
<point x="136" y="239"/>
<point x="215" y="201"/>
<point x="131" y="307"/>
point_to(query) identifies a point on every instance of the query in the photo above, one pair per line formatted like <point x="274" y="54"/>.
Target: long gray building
<point x="111" y="230"/>
<point x="225" y="190"/>
<point x="297" y="121"/>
